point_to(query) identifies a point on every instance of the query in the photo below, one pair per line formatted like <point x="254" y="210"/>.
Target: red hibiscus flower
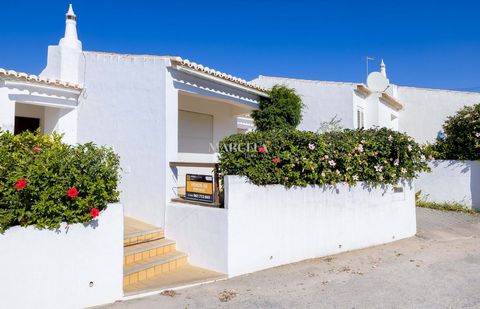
<point x="21" y="183"/>
<point x="36" y="148"/>
<point x="276" y="160"/>
<point x="94" y="212"/>
<point x="72" y="192"/>
<point x="261" y="149"/>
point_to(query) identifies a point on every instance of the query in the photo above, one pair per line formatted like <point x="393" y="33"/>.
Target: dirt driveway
<point x="439" y="268"/>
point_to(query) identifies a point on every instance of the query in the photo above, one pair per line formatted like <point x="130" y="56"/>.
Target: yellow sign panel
<point x="199" y="188"/>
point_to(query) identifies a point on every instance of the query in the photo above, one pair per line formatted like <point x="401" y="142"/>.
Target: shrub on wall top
<point x="299" y="158"/>
<point x="461" y="138"/>
<point x="282" y="110"/>
<point x="44" y="182"/>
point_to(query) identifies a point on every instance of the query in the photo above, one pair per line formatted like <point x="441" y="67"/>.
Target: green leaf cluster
<point x="462" y="136"/>
<point x="281" y="110"/>
<point x="50" y="168"/>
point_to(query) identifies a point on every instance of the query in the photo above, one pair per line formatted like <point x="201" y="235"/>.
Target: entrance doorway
<point x="23" y="124"/>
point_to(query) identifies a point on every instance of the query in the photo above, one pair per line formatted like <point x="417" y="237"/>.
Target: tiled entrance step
<point x="152" y="262"/>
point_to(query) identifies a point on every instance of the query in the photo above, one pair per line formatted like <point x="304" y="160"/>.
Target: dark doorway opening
<point x="23" y="124"/>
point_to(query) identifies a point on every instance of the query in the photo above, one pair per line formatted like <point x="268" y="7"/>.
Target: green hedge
<point x="461" y="139"/>
<point x="299" y="158"/>
<point x="44" y="182"/>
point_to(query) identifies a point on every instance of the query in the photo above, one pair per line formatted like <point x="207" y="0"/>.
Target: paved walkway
<point x="439" y="268"/>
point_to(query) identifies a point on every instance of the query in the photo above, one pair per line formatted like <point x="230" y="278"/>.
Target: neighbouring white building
<point x="419" y="112"/>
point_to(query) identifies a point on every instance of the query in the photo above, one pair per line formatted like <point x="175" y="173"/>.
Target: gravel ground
<point x="439" y="268"/>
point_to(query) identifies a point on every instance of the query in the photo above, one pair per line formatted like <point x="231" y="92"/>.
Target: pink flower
<point x="36" y="148"/>
<point x="311" y="146"/>
<point x="325" y="157"/>
<point x="261" y="149"/>
<point x="276" y="160"/>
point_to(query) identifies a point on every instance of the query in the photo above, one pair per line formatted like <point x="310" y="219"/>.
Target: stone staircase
<point x="152" y="262"/>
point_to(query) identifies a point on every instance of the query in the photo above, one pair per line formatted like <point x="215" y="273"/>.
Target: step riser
<point x="130" y="241"/>
<point x="140" y="256"/>
<point x="154" y="271"/>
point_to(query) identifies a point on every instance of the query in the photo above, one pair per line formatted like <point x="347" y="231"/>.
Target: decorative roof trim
<point x="220" y="75"/>
<point x="37" y="79"/>
<point x="363" y="90"/>
<point x="391" y="101"/>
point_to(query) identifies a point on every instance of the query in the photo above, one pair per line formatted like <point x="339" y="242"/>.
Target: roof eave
<point x="39" y="81"/>
<point x="218" y="77"/>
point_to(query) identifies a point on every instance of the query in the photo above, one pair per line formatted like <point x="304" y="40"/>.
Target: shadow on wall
<point x="475" y="183"/>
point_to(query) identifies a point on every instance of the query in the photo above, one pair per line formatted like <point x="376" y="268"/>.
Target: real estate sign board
<point x="199" y="188"/>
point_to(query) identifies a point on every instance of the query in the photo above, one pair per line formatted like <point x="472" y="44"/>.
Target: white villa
<point x="162" y="114"/>
<point x="152" y="109"/>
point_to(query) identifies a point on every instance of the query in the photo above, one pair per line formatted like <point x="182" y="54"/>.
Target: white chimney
<point x="70" y="38"/>
<point x="383" y="69"/>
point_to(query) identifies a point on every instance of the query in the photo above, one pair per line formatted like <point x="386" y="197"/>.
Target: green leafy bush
<point x="44" y="182"/>
<point x="282" y="110"/>
<point x="299" y="158"/>
<point x="462" y="136"/>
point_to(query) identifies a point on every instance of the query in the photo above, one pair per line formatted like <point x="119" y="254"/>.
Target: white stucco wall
<point x="323" y="100"/>
<point x="451" y="181"/>
<point x="425" y="110"/>
<point x="124" y="106"/>
<point x="54" y="269"/>
<point x="267" y="226"/>
<point x="201" y="232"/>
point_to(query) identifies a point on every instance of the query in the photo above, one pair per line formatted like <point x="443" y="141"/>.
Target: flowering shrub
<point x="461" y="137"/>
<point x="299" y="158"/>
<point x="44" y="182"/>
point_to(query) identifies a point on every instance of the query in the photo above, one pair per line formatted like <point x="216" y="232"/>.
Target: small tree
<point x="282" y="110"/>
<point x="461" y="140"/>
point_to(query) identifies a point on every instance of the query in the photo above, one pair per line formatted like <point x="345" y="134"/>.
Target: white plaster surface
<point x="323" y="100"/>
<point x="124" y="106"/>
<point x="201" y="232"/>
<point x="53" y="269"/>
<point x="267" y="226"/>
<point x="425" y="110"/>
<point x="451" y="181"/>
